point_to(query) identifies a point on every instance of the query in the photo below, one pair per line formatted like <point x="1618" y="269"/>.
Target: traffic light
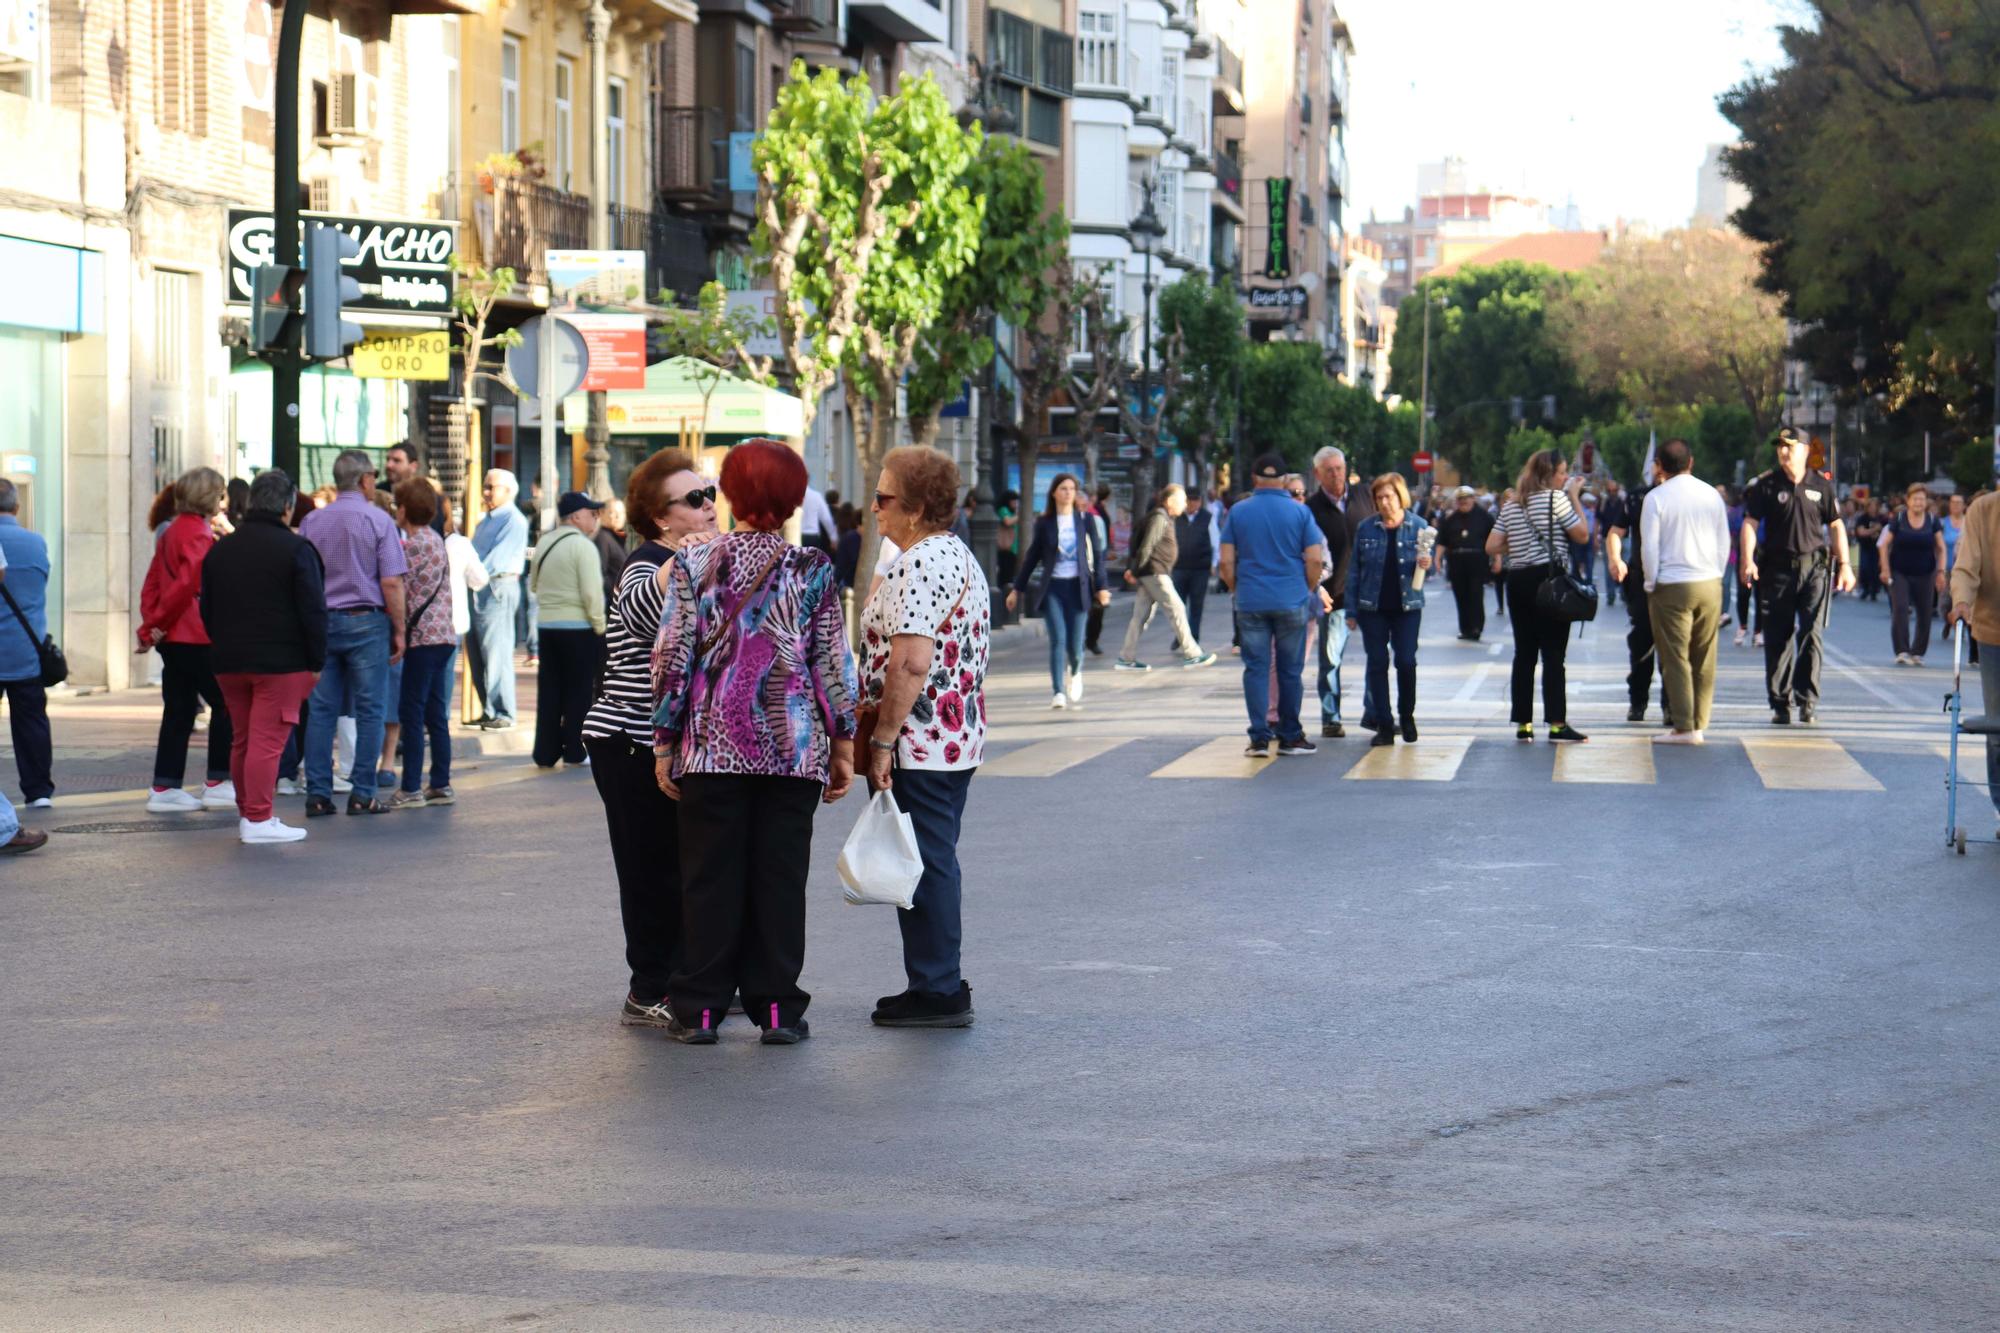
<point x="274" y="304"/>
<point x="328" y="289"/>
<point x="1548" y="407"/>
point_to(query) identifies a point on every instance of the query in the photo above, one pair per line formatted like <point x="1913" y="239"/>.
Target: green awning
<point x="673" y="400"/>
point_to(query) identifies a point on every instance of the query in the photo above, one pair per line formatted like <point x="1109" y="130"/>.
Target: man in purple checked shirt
<point x="363" y="555"/>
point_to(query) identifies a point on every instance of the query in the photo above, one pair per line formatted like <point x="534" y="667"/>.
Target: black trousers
<point x="1536" y="638"/>
<point x="746" y="846"/>
<point x="1639" y="646"/>
<point x="1911" y="593"/>
<point x="1093" y="625"/>
<point x="1793" y="598"/>
<point x="565" y="680"/>
<point x="34" y="747"/>
<point x="1467" y="571"/>
<point x="1500" y="593"/>
<point x="184" y="679"/>
<point x="646" y="852"/>
<point x="1746" y="607"/>
<point x="1192" y="585"/>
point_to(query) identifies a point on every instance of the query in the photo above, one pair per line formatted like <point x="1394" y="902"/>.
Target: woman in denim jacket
<point x="1385" y="600"/>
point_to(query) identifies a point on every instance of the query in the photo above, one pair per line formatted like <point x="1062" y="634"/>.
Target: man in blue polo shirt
<point x="1271" y="558"/>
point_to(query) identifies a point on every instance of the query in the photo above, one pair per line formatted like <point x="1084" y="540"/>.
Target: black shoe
<point x="891" y="1003"/>
<point x="1808" y="715"/>
<point x="786" y="1034"/>
<point x="1565" y="732"/>
<point x="1094" y="650"/>
<point x="1382" y="738"/>
<point x="1636" y="713"/>
<point x="1257" y="750"/>
<point x="1781" y="717"/>
<point x="705" y="1035"/>
<point x="1410" y="730"/>
<point x="357" y="806"/>
<point x="318" y="805"/>
<point x="1333" y="731"/>
<point x="1299" y="746"/>
<point x="1371" y="724"/>
<point x="659" y="1014"/>
<point x="928" y="1009"/>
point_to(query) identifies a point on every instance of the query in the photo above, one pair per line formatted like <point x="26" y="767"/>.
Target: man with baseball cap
<point x="1271" y="562"/>
<point x="567" y="576"/>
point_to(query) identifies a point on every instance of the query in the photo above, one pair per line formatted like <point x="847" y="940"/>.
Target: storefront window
<point x="31" y="437"/>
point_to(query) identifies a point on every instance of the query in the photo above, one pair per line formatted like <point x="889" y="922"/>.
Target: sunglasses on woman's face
<point x="697" y="499"/>
<point x="883" y="499"/>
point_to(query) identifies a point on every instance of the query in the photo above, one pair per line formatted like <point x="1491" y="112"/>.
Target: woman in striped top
<point x="672" y="506"/>
<point x="1531" y="535"/>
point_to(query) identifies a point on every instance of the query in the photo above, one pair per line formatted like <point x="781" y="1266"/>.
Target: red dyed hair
<point x="765" y="482"/>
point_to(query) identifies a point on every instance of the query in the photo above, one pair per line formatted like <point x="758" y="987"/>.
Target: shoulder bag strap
<point x="721" y="626"/>
<point x="29" y="630"/>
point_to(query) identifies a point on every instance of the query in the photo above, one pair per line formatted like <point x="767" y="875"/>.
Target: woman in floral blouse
<point x="753" y="727"/>
<point x="925" y="637"/>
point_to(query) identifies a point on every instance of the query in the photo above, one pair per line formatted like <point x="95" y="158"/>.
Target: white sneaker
<point x="1059" y="702"/>
<point x="341" y="786"/>
<point x="1075" y="690"/>
<point x="1916" y="661"/>
<point x="1740" y="636"/>
<point x="287" y="787"/>
<point x="1760" y="638"/>
<point x="273" y="829"/>
<point x="41" y="803"/>
<point x="172" y="801"/>
<point x="1679" y="738"/>
<point x="220" y="796"/>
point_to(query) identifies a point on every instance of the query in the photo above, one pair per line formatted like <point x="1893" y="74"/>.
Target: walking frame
<point x="1954" y="836"/>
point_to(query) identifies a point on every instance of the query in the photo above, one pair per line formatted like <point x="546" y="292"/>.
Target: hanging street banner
<point x="421" y="355"/>
<point x="1278" y="250"/>
<point x="404" y="267"/>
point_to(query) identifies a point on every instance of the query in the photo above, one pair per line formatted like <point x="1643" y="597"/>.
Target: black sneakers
<point x="1381" y="738"/>
<point x="925" y="1009"/>
<point x="1299" y="746"/>
<point x="1410" y="730"/>
<point x="1257" y="750"/>
<point x="1781" y="717"/>
<point x="786" y="1034"/>
<point x="704" y="1035"/>
<point x="1636" y="713"/>
<point x="1807" y="715"/>
<point x="1563" y="731"/>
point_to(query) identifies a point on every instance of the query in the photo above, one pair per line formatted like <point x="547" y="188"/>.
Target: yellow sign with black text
<point x="403" y="356"/>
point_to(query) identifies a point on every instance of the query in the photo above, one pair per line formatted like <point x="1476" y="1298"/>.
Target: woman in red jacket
<point x="170" y="620"/>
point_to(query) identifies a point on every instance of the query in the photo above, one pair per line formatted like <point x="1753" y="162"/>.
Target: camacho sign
<point x="404" y="267"/>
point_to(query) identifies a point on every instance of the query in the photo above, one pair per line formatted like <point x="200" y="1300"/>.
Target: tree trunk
<point x="875" y="432"/>
<point x="924" y="429"/>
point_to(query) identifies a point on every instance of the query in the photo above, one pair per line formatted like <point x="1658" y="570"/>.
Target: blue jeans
<point x="1383" y="634"/>
<point x="357" y="666"/>
<point x="424" y="709"/>
<point x="1332" y="648"/>
<point x="492" y="645"/>
<point x="1062" y="613"/>
<point x="10" y="823"/>
<point x="935" y="802"/>
<point x="1260" y="634"/>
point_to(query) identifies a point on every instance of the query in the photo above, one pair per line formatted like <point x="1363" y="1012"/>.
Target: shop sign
<point x="403" y="356"/>
<point x="1278" y="253"/>
<point x="1277" y="298"/>
<point x="616" y="346"/>
<point x="404" y="267"/>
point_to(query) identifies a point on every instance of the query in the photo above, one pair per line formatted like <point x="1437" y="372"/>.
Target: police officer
<point x="1462" y="535"/>
<point x="1621" y="558"/>
<point x="1790" y="571"/>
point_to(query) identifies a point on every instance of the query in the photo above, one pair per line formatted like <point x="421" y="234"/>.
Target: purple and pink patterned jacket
<point x="778" y="684"/>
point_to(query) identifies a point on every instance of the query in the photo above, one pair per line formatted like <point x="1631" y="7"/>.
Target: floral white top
<point x="935" y="590"/>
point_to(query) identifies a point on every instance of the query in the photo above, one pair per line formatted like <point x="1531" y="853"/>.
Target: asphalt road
<point x="1704" y="1039"/>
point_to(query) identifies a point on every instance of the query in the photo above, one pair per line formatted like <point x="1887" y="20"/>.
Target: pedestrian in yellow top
<point x="567" y="576"/>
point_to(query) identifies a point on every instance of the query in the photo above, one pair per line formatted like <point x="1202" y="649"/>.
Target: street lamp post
<point x="1424" y="389"/>
<point x="1147" y="230"/>
<point x="597" y="421"/>
<point x="981" y="108"/>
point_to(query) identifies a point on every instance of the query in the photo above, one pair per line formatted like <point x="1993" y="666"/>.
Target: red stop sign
<point x="1421" y="462"/>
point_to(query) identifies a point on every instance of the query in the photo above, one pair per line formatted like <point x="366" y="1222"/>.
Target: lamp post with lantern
<point x="1147" y="232"/>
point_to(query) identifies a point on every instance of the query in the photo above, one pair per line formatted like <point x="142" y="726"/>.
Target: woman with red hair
<point x="753" y="728"/>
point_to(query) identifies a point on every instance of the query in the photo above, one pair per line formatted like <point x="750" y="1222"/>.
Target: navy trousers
<point x="935" y="802"/>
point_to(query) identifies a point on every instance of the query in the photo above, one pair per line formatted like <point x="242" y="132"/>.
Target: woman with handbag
<point x="1385" y="599"/>
<point x="753" y="727"/>
<point x="1067" y="545"/>
<point x="925" y="636"/>
<point x="672" y="509"/>
<point x="1531" y="537"/>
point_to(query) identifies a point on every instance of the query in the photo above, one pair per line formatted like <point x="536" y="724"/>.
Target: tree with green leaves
<point x="714" y="337"/>
<point x="1044" y="369"/>
<point x="864" y="218"/>
<point x="1021" y="244"/>
<point x="1208" y="320"/>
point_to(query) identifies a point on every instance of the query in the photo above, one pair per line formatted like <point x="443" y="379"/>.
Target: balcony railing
<point x="692" y="156"/>
<point x="1055" y="70"/>
<point x="677" y="256"/>
<point x="514" y="222"/>
<point x="1229" y="66"/>
<point x="806" y="16"/>
<point x="1228" y="175"/>
<point x="1097" y="61"/>
<point x="1029" y="54"/>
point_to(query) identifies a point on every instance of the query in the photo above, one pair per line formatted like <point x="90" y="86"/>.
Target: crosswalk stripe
<point x="1806" y="763"/>
<point x="1220" y="758"/>
<point x="1047" y="758"/>
<point x="1426" y="761"/>
<point x="1617" y="759"/>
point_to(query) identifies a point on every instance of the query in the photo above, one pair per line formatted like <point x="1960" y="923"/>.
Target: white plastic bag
<point x="880" y="863"/>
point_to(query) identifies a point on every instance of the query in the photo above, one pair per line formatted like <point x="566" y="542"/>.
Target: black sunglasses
<point x="883" y="498"/>
<point x="696" y="499"/>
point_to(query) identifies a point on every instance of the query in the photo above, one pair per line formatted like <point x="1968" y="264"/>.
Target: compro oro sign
<point x="403" y="356"/>
<point x="404" y="266"/>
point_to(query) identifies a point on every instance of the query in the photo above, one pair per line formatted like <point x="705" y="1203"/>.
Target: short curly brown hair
<point x="646" y="492"/>
<point x="929" y="481"/>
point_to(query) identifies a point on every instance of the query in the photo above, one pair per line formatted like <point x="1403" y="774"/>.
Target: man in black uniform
<point x="1621" y="558"/>
<point x="1462" y="535"/>
<point x="1790" y="571"/>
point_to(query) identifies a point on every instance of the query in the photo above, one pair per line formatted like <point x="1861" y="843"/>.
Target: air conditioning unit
<point x="352" y="113"/>
<point x="323" y="194"/>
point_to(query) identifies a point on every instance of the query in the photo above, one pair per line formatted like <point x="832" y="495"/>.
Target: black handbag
<point x="1564" y="595"/>
<point x="55" y="667"/>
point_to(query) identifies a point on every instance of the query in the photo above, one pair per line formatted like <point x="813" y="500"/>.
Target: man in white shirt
<point x="1684" y="546"/>
<point x="816" y="526"/>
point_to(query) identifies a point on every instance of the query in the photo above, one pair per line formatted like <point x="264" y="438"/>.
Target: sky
<point x="1611" y="102"/>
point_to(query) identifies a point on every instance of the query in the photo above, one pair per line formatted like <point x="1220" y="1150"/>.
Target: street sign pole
<point x="546" y="392"/>
<point x="284" y="357"/>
